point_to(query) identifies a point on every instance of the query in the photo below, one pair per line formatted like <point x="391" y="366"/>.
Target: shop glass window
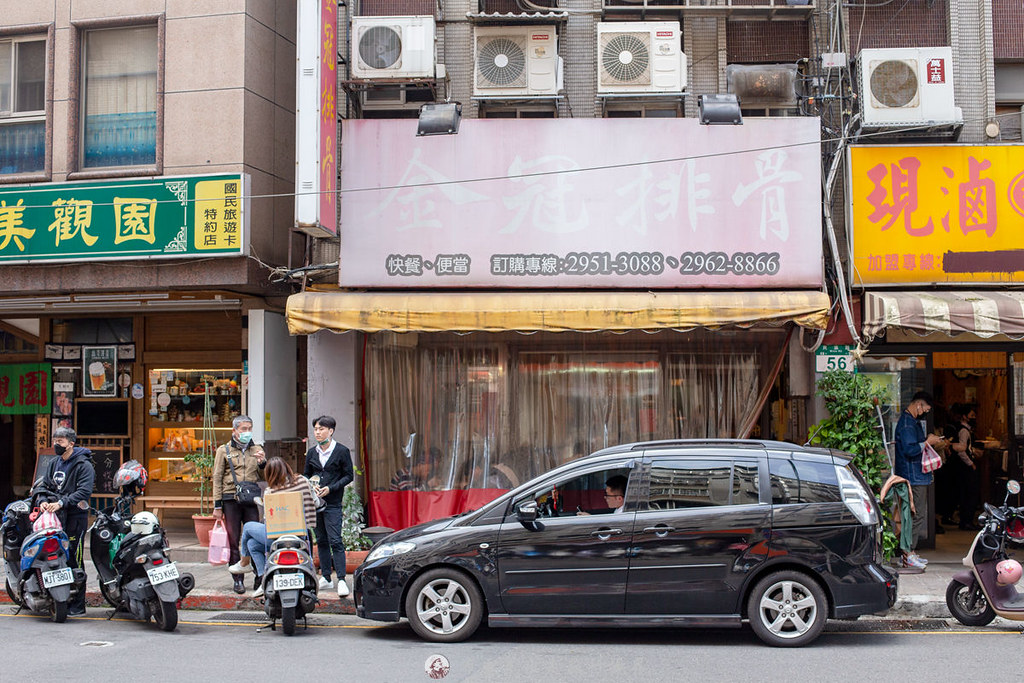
<point x="22" y="104"/>
<point x="93" y="330"/>
<point x="799" y="481"/>
<point x="120" y="99"/>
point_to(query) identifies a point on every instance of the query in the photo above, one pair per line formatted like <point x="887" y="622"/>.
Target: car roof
<point x="759" y="444"/>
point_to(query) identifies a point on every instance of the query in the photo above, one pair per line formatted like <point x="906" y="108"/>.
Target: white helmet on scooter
<point x="143" y="523"/>
<point x="1008" y="572"/>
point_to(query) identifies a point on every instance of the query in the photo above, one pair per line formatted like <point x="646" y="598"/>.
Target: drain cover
<point x="247" y="617"/>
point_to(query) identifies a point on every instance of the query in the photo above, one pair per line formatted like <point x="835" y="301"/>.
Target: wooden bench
<point x="156" y="503"/>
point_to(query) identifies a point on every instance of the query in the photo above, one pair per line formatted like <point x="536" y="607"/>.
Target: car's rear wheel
<point x="787" y="609"/>
<point x="444" y="606"/>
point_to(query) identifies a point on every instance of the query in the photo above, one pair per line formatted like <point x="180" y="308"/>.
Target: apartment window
<point x="22" y="104"/>
<point x="119" y="121"/>
<point x="640" y="111"/>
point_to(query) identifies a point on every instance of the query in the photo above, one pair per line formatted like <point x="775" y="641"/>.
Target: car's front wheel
<point x="444" y="606"/>
<point x="787" y="609"/>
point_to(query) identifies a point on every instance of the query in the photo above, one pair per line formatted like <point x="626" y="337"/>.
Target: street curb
<point x="919" y="607"/>
<point x="219" y="602"/>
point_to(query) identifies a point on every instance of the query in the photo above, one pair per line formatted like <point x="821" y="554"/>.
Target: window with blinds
<point x="22" y="104"/>
<point x="119" y="111"/>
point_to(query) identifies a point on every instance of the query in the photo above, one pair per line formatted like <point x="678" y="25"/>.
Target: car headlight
<point x="389" y="549"/>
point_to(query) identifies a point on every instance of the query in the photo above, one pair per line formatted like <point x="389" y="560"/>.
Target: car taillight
<point x="288" y="557"/>
<point x="50" y="545"/>
<point x="858" y="499"/>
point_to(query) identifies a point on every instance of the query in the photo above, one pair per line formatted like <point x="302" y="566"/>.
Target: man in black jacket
<point x="329" y="466"/>
<point x="72" y="476"/>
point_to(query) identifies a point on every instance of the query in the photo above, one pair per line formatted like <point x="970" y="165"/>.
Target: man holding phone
<point x="329" y="466"/>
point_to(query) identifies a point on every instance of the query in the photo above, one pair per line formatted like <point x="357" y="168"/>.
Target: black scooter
<point x="135" y="573"/>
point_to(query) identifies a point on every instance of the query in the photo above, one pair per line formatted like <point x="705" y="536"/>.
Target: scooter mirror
<point x="1013" y="486"/>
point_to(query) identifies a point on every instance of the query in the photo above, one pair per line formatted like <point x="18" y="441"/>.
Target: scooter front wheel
<point x="58" y="611"/>
<point x="165" y="614"/>
<point x="968" y="604"/>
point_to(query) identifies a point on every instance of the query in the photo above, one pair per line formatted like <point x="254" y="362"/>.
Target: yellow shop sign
<point x="937" y="214"/>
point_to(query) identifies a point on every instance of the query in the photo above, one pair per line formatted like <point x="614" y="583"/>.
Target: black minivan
<point x="705" y="533"/>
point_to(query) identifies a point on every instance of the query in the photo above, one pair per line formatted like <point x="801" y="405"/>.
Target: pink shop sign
<point x="609" y="203"/>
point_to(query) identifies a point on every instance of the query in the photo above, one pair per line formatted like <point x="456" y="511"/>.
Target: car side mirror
<point x="526" y="512"/>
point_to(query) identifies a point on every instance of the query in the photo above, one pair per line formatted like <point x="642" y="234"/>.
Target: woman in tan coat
<point x="247" y="459"/>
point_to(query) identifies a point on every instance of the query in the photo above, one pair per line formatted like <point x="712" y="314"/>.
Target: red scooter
<point x="986" y="588"/>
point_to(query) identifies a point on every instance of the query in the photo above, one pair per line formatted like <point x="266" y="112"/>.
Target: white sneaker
<point x="918" y="558"/>
<point x="258" y="593"/>
<point x="342" y="588"/>
<point x="238" y="568"/>
<point x="325" y="583"/>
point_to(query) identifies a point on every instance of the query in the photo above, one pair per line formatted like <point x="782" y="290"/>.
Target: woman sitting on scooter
<point x="254" y="544"/>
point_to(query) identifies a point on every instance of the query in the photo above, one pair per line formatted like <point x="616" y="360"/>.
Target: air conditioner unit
<point x="395" y="97"/>
<point x="393" y="47"/>
<point x="907" y="87"/>
<point x="516" y="61"/>
<point x="763" y="85"/>
<point x="640" y="57"/>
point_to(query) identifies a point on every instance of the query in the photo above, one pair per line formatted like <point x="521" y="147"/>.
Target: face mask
<point x="244" y="438"/>
<point x="59" y="449"/>
<point x="325" y="441"/>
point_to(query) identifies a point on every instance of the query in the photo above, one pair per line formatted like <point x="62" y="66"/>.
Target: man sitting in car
<point x="614" y="495"/>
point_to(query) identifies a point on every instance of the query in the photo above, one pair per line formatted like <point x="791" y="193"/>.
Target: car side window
<point x="583" y="493"/>
<point x="700" y="483"/>
<point x="803" y="481"/>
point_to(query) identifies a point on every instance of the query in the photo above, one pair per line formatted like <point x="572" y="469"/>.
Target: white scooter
<point x="289" y="583"/>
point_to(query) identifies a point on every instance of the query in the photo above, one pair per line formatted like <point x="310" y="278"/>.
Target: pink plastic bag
<point x="220" y="550"/>
<point x="46" y="520"/>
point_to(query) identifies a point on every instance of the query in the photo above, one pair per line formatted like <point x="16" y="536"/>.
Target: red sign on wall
<point x="937" y="70"/>
<point x="25" y="389"/>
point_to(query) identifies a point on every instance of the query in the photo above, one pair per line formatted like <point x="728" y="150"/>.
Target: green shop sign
<point x="149" y="218"/>
<point x="25" y="389"/>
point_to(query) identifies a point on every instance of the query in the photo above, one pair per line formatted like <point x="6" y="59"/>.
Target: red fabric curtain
<point x="401" y="509"/>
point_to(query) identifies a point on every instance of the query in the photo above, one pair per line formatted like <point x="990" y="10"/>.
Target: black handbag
<point x="246" y="492"/>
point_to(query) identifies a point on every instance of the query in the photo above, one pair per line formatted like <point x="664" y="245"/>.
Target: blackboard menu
<point x="106" y="461"/>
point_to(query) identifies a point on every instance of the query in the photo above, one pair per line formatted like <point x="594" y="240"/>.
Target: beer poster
<point x="99" y="371"/>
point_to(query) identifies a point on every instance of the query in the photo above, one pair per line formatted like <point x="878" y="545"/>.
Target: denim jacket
<point x="910" y="440"/>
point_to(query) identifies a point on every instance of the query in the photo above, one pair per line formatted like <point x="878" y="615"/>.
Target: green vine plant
<point x="354" y="522"/>
<point x="852" y="426"/>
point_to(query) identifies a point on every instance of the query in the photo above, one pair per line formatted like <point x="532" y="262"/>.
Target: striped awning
<point x="982" y="313"/>
<point x="618" y="311"/>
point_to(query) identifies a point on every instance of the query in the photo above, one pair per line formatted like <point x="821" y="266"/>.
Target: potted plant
<point x="357" y="545"/>
<point x="203" y="521"/>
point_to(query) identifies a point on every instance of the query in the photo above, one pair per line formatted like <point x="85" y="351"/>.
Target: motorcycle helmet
<point x="143" y="523"/>
<point x="131" y="477"/>
<point x="1008" y="572"/>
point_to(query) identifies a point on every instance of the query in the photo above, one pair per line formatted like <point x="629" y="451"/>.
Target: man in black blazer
<point x="329" y="467"/>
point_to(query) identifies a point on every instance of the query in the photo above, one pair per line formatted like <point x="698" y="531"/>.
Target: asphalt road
<point x="210" y="646"/>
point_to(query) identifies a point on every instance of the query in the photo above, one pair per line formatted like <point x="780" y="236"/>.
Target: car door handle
<point x="605" y="534"/>
<point x="661" y="531"/>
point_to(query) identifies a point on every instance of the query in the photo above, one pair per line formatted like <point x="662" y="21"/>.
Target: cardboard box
<point x="284" y="514"/>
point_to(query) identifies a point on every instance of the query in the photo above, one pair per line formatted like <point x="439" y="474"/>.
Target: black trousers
<point x="75" y="527"/>
<point x="328" y="541"/>
<point x="235" y="515"/>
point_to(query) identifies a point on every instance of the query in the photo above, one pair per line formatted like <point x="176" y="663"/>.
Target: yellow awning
<point x="619" y="311"/>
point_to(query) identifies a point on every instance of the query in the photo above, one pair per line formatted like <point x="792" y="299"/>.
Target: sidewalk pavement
<point x="921" y="595"/>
